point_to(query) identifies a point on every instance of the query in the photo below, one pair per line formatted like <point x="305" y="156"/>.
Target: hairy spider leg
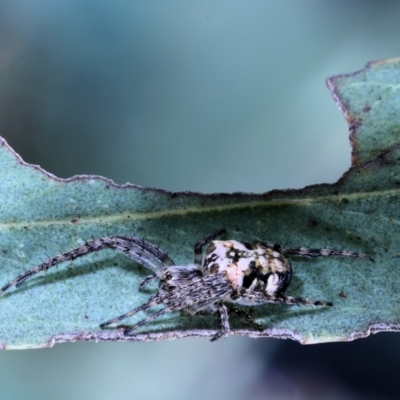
<point x="308" y="252"/>
<point x="262" y="298"/>
<point x="153" y="301"/>
<point x="225" y="327"/>
<point x="148" y="319"/>
<point x="137" y="249"/>
<point x="146" y="281"/>
<point x="198" y="247"/>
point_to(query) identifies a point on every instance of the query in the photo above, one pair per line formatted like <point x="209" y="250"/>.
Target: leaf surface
<point x="41" y="216"/>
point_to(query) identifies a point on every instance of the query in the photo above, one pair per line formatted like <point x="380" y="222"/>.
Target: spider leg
<point x="146" y="281"/>
<point x="137" y="249"/>
<point x="89" y="247"/>
<point x="225" y="327"/>
<point x="217" y="288"/>
<point x="153" y="301"/>
<point x="262" y="298"/>
<point x="141" y="251"/>
<point x="308" y="252"/>
<point x="198" y="247"/>
<point x="148" y="319"/>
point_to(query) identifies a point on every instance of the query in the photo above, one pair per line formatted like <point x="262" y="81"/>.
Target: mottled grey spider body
<point x="228" y="272"/>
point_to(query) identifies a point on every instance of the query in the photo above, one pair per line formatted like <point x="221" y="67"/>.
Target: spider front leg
<point x="137" y="249"/>
<point x="146" y="281"/>
<point x="153" y="301"/>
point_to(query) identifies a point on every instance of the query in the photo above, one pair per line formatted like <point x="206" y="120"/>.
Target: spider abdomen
<point x="251" y="266"/>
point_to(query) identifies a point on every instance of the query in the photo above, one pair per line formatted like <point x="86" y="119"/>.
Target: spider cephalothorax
<point x="227" y="272"/>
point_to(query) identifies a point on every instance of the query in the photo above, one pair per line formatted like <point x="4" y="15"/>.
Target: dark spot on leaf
<point x="367" y="108"/>
<point x="343" y="294"/>
<point x="344" y="201"/>
<point x="74" y="220"/>
<point x="312" y="222"/>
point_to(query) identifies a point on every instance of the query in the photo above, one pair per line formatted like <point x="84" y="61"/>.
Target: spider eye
<point x="167" y="276"/>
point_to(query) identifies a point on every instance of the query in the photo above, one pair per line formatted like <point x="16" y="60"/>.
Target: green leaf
<point x="41" y="215"/>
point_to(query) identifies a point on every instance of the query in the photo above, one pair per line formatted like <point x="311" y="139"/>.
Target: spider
<point x="227" y="272"/>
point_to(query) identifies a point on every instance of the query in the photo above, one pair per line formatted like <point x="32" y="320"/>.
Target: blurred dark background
<point x="210" y="96"/>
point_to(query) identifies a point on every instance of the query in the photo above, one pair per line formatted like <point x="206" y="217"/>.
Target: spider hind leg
<point x="198" y="247"/>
